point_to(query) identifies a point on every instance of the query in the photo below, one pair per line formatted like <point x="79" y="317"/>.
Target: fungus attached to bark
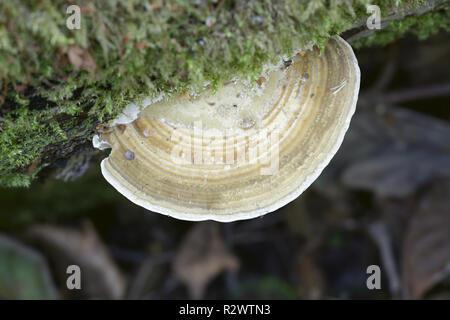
<point x="242" y="151"/>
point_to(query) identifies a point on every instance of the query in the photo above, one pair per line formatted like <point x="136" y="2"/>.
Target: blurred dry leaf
<point x="24" y="273"/>
<point x="392" y="153"/>
<point x="397" y="173"/>
<point x="202" y="256"/>
<point x="100" y="277"/>
<point x="81" y="59"/>
<point x="426" y="250"/>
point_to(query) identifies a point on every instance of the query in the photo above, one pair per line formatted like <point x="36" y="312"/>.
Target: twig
<point x="381" y="237"/>
<point x="372" y="97"/>
<point x="137" y="285"/>
<point x="359" y="30"/>
<point x="405" y="95"/>
<point x="385" y="77"/>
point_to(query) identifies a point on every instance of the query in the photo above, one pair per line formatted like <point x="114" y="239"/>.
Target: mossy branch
<point x="57" y="84"/>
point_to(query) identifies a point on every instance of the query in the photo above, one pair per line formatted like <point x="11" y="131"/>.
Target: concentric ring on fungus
<point x="243" y="151"/>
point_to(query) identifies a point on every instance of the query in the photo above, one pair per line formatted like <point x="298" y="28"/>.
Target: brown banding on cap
<point x="242" y="151"/>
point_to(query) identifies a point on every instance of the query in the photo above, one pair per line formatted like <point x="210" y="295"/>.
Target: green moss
<point x="140" y="48"/>
<point x="422" y="26"/>
<point x="15" y="180"/>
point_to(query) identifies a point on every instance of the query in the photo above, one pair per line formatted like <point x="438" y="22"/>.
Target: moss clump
<point x="50" y="104"/>
<point x="422" y="26"/>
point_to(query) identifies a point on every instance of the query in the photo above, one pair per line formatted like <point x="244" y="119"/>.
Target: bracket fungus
<point x="242" y="151"/>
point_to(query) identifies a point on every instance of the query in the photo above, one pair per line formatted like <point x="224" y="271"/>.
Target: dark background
<point x="384" y="200"/>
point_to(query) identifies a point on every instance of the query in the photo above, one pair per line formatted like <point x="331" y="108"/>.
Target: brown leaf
<point x="426" y="252"/>
<point x="81" y="59"/>
<point x="100" y="277"/>
<point x="202" y="257"/>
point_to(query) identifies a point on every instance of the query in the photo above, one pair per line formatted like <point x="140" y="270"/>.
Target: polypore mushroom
<point x="242" y="151"/>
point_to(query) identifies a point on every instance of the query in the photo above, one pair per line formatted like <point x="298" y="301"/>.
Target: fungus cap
<point x="242" y="151"/>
